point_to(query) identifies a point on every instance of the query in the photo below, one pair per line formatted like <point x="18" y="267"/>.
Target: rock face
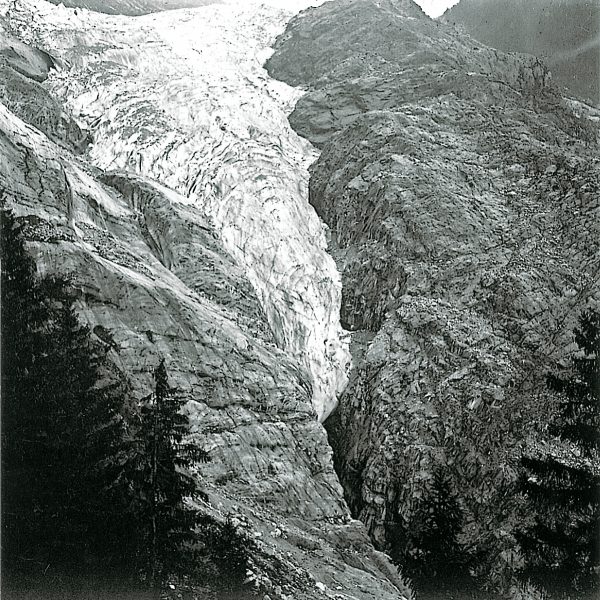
<point x="33" y="104"/>
<point x="565" y="33"/>
<point x="156" y="279"/>
<point x="31" y="62"/>
<point x="21" y="66"/>
<point x="462" y="195"/>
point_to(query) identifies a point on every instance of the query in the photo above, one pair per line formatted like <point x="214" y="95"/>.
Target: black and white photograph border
<point x="300" y="299"/>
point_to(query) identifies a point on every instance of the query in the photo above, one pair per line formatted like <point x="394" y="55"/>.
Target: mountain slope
<point x="462" y="193"/>
<point x="155" y="279"/>
<point x="565" y="33"/>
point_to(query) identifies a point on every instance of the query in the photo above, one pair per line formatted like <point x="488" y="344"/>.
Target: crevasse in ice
<point x="181" y="96"/>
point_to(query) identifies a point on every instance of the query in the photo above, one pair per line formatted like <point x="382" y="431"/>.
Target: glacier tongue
<point x="181" y="96"/>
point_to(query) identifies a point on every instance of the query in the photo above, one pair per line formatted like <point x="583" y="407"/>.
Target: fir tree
<point x="166" y="524"/>
<point x="61" y="426"/>
<point x="562" y="477"/>
<point x="430" y="546"/>
<point x="579" y="421"/>
<point x="83" y="492"/>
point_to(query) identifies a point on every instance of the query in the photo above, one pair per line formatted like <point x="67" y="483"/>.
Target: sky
<point x="434" y="8"/>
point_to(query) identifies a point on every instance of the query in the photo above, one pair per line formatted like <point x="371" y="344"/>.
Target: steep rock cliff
<point x="462" y="194"/>
<point x="154" y="280"/>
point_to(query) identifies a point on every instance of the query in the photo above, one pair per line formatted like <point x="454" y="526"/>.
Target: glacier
<point x="181" y="97"/>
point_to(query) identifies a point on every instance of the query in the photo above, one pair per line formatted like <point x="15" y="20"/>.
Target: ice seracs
<point x="182" y="97"/>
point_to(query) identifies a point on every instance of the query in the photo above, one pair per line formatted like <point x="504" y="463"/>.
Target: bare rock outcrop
<point x="24" y="58"/>
<point x="21" y="68"/>
<point x="463" y="198"/>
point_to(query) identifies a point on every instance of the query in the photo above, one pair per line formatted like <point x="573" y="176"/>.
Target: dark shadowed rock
<point x="33" y="104"/>
<point x="30" y="62"/>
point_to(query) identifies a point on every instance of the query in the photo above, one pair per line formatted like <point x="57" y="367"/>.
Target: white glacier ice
<point x="181" y="96"/>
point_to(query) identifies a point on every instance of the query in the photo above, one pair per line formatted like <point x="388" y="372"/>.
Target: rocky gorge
<point x="401" y="261"/>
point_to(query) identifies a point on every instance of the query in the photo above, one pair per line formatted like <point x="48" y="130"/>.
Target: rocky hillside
<point x="564" y="33"/>
<point x="462" y="194"/>
<point x="155" y="280"/>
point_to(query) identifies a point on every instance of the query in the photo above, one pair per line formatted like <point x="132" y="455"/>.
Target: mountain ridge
<point x="566" y="34"/>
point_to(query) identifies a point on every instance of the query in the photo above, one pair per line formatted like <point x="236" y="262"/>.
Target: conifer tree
<point x="432" y="546"/>
<point x="61" y="426"/>
<point x="165" y="522"/>
<point x="83" y="491"/>
<point x="562" y="477"/>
